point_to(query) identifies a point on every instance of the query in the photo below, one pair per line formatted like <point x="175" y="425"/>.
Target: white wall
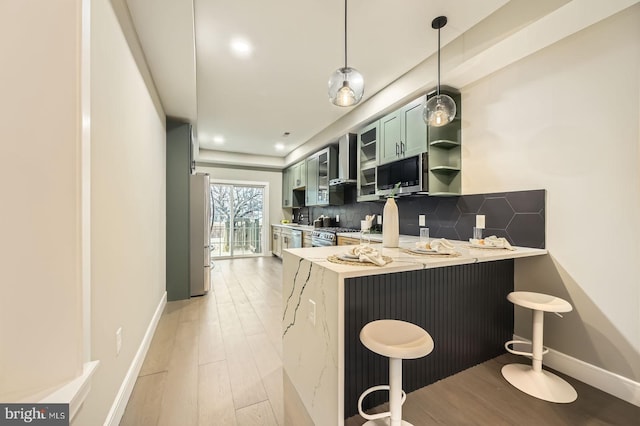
<point x="274" y="178"/>
<point x="566" y="119"/>
<point x="128" y="209"/>
<point x="40" y="252"/>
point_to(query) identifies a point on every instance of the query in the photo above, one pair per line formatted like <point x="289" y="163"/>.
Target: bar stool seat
<point x="396" y="340"/>
<point x="532" y="379"/>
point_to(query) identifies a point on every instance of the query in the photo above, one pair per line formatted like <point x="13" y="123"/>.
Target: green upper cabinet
<point x="321" y="168"/>
<point x="367" y="151"/>
<point x="311" y="193"/>
<point x="287" y="191"/>
<point x="299" y="175"/>
<point x="390" y="138"/>
<point x="403" y="133"/>
<point x="294" y="178"/>
<point x="414" y="128"/>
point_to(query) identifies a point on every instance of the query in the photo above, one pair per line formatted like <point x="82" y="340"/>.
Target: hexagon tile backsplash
<point x="518" y="216"/>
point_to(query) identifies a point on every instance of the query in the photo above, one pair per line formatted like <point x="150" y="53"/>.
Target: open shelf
<point x="445" y="143"/>
<point x="445" y="151"/>
<point x="444" y="194"/>
<point x="368" y="152"/>
<point x="368" y="196"/>
<point x="444" y="181"/>
<point x="367" y="162"/>
<point x="368" y="165"/>
<point x="445" y="169"/>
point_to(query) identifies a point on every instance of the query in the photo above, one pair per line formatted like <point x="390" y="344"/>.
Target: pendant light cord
<point x="345" y="33"/>
<point x="438" y="61"/>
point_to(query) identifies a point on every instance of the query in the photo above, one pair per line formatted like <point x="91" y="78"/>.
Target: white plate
<point x="482" y="246"/>
<point x="431" y="252"/>
<point x="349" y="256"/>
<point x="423" y="250"/>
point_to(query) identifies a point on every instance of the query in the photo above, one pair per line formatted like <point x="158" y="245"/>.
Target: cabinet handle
<point x="397" y="149"/>
<point x="401" y="147"/>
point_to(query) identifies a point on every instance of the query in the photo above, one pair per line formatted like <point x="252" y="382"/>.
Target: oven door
<point x="322" y="239"/>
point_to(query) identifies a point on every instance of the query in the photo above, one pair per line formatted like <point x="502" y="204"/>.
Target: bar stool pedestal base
<point x="541" y="384"/>
<point x="384" y="422"/>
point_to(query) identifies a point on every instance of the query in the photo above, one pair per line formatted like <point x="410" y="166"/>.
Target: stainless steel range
<point x="321" y="237"/>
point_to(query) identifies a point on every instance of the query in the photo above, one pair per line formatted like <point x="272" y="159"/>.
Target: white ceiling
<point x="282" y="86"/>
<point x="299" y="43"/>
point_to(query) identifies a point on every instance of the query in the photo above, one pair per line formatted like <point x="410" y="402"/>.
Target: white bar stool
<point x="396" y="340"/>
<point x="533" y="380"/>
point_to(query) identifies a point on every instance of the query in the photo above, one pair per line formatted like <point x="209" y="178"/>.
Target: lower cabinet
<point x="306" y="239"/>
<point x="285" y="239"/>
<point x="276" y="241"/>
<point x="348" y="241"/>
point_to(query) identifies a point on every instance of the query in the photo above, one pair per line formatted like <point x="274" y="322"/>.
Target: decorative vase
<point x="390" y="226"/>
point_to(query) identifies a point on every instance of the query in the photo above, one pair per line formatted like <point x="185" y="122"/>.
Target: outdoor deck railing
<point x="247" y="237"/>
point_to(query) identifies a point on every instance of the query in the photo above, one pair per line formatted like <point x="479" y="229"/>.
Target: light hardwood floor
<point x="217" y="360"/>
<point x="481" y="396"/>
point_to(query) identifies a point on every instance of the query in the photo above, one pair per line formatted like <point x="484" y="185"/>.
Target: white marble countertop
<point x="377" y="238"/>
<point x="295" y="226"/>
<point x="403" y="261"/>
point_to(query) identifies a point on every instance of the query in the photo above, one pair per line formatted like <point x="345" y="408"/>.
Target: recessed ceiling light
<point x="279" y="146"/>
<point x="241" y="47"/>
<point x="219" y="140"/>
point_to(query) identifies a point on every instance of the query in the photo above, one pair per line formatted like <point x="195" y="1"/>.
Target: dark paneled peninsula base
<point x="464" y="308"/>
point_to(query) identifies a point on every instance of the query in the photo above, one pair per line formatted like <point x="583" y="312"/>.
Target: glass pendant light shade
<point x="439" y="110"/>
<point x="346" y="84"/>
<point x="346" y="87"/>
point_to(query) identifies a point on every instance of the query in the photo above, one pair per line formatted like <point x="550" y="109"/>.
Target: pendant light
<point x="439" y="109"/>
<point x="346" y="85"/>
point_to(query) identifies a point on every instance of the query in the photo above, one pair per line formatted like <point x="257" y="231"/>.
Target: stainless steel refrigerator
<point x="200" y="217"/>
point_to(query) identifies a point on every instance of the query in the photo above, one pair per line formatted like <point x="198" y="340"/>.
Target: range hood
<point x="347" y="169"/>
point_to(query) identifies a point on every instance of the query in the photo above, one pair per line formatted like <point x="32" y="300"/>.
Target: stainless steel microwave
<point x="412" y="173"/>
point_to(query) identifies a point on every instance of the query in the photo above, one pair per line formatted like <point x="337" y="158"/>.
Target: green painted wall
<point x="178" y="171"/>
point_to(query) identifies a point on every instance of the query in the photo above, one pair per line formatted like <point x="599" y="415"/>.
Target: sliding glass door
<point x="238" y="213"/>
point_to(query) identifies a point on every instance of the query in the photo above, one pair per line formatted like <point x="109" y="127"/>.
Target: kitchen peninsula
<point x="459" y="300"/>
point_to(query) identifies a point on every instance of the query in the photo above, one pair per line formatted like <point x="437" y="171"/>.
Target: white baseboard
<point x="122" y="398"/>
<point x="611" y="383"/>
<point x="73" y="392"/>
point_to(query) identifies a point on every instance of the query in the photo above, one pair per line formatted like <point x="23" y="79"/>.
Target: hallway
<point x="216" y="359"/>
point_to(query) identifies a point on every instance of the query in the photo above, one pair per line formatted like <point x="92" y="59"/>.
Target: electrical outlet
<point x="118" y="340"/>
<point x="312" y="312"/>
<point x="379" y="219"/>
<point x="337" y="218"/>
<point x="421" y="220"/>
